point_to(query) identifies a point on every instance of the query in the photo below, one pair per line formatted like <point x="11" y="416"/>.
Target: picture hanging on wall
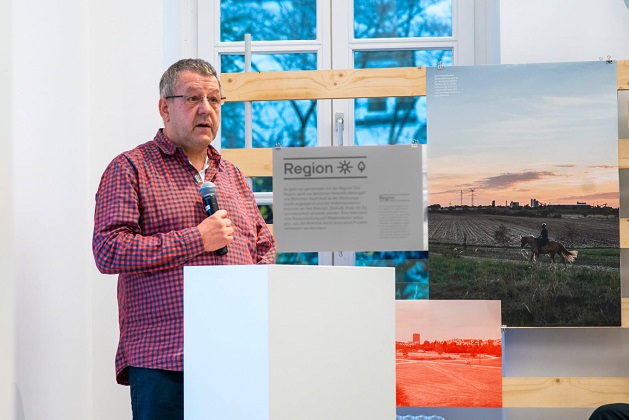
<point x="523" y="190"/>
<point x="448" y="354"/>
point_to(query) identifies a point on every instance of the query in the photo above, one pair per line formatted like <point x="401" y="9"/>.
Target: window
<point x="289" y="35"/>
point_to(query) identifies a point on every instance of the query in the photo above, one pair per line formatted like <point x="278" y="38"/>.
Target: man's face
<point x="187" y="124"/>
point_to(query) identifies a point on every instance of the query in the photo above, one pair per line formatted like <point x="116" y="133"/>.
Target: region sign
<point x="358" y="198"/>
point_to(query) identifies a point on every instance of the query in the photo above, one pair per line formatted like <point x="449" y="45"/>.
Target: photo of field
<point x="448" y="354"/>
<point x="512" y="148"/>
<point x="479" y="256"/>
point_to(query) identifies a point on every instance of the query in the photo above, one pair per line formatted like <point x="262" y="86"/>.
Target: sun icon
<point x="345" y="167"/>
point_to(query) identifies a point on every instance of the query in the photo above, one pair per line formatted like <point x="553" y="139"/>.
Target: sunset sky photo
<point x="513" y="133"/>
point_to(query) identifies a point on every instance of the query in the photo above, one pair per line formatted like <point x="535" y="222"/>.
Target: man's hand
<point x="216" y="231"/>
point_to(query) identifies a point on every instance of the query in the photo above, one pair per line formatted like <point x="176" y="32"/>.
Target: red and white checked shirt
<point x="147" y="208"/>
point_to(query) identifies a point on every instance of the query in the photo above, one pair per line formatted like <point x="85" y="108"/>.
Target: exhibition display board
<point x="552" y="373"/>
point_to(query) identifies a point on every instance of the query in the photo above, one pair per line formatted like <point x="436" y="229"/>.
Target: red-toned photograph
<point x="448" y="353"/>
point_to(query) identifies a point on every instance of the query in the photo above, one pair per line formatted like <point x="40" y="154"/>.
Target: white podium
<point x="289" y="342"/>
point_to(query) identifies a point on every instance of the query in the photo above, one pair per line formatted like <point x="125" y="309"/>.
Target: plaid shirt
<point x="147" y="208"/>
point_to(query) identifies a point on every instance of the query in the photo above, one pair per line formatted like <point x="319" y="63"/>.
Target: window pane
<point x="380" y="121"/>
<point x="235" y="63"/>
<point x="267" y="213"/>
<point x="402" y="18"/>
<point x="301" y="258"/>
<point x="289" y="123"/>
<point x="268" y="20"/>
<point x="411" y="270"/>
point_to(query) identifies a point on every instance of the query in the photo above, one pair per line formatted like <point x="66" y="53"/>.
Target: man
<point x="150" y="221"/>
<point x="542" y="239"/>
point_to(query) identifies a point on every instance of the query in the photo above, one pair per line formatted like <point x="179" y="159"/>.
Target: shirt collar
<point x="166" y="146"/>
<point x="169" y="148"/>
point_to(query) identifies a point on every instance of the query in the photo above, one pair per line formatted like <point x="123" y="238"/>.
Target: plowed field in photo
<point x="478" y="229"/>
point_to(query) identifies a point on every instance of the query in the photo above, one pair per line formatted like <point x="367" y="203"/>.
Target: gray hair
<point x="171" y="75"/>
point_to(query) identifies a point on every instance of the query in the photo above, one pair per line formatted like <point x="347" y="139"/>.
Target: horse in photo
<point x="552" y="248"/>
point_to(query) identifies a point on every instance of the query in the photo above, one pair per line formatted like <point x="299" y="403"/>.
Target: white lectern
<point x="289" y="342"/>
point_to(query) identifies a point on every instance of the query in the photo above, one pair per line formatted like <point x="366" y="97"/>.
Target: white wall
<point x="541" y="31"/>
<point x="84" y="82"/>
<point x="49" y="182"/>
<point x="7" y="340"/>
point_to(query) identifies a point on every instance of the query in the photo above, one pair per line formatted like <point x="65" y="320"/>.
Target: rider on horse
<point x="542" y="239"/>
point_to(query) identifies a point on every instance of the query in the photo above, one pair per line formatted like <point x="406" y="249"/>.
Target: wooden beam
<point x="623" y="153"/>
<point x="624" y="312"/>
<point x="252" y="162"/>
<point x="624" y="232"/>
<point x="341" y="84"/>
<point x="622" y="73"/>
<point x="563" y="392"/>
<point x="324" y="84"/>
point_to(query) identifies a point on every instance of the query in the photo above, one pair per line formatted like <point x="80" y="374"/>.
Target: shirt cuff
<point x="193" y="239"/>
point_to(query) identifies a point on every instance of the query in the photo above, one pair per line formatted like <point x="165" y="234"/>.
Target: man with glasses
<point x="150" y="221"/>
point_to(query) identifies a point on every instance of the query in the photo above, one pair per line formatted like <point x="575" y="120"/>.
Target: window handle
<point x="339" y="124"/>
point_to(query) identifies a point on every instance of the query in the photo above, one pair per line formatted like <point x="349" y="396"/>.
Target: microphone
<point x="208" y="192"/>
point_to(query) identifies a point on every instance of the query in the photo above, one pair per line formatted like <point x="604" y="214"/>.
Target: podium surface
<point x="289" y="342"/>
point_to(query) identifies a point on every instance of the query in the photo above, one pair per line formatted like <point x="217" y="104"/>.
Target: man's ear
<point x="164" y="111"/>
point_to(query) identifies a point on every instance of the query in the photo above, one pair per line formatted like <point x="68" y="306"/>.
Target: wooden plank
<point x="324" y="84"/>
<point x="624" y="312"/>
<point x="624" y="232"/>
<point x="252" y="162"/>
<point x="341" y="84"/>
<point x="623" y="153"/>
<point x="622" y="74"/>
<point x="563" y="392"/>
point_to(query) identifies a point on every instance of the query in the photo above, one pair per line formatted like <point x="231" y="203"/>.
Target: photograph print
<point x="523" y="190"/>
<point x="448" y="353"/>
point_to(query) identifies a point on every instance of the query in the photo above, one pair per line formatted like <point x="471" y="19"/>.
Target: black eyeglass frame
<point x="196" y="99"/>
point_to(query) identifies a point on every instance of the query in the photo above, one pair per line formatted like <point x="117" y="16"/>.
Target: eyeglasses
<point x="194" y="100"/>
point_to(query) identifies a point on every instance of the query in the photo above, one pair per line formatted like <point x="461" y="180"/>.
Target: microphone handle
<point x="211" y="207"/>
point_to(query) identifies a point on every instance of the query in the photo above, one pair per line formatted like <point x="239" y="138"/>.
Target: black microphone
<point x="208" y="192"/>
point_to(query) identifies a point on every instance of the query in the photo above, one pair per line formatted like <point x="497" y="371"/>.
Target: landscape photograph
<point x="517" y="153"/>
<point x="448" y="354"/>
